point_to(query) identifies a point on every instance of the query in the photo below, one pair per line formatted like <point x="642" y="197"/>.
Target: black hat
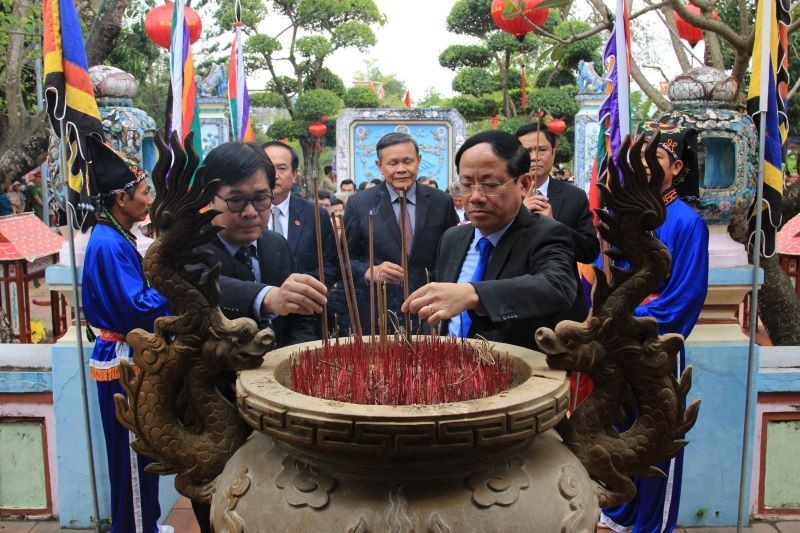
<point x="109" y="170"/>
<point x="680" y="141"/>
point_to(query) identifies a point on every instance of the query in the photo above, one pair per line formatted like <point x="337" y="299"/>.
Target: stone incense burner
<point x="491" y="464"/>
<point x="478" y="465"/>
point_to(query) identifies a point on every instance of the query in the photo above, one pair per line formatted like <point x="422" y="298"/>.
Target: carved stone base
<point x="535" y="486"/>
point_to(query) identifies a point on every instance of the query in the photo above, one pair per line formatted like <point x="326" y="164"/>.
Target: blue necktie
<point x="485" y="250"/>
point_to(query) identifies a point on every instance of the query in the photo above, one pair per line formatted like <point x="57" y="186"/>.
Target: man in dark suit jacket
<point x="507" y="273"/>
<point x="430" y="213"/>
<point x="257" y="278"/>
<point x="560" y="201"/>
<point x="293" y="217"/>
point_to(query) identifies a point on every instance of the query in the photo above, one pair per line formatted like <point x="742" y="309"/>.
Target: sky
<point x="409" y="44"/>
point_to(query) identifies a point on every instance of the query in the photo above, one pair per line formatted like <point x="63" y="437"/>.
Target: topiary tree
<point x="361" y="96"/>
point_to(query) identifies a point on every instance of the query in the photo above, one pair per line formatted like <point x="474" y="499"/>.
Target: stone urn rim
<point x="536" y="402"/>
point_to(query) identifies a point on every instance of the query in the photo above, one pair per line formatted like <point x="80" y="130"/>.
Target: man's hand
<point x="300" y="293"/>
<point x="386" y="272"/>
<point x="538" y="204"/>
<point x="439" y="301"/>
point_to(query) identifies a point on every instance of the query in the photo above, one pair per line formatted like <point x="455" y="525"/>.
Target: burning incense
<point x="343" y="269"/>
<point x="352" y="288"/>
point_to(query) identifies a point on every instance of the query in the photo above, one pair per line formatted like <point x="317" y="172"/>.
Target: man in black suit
<point x="559" y="200"/>
<point x="430" y="212"/>
<point x="507" y="273"/>
<point x="293" y="217"/>
<point x="257" y="276"/>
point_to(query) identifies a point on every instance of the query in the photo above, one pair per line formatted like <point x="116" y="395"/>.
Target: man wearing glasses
<point x="256" y="266"/>
<point x="510" y="271"/>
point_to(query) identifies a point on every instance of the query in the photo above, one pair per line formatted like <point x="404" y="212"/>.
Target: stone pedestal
<point x="587" y="128"/>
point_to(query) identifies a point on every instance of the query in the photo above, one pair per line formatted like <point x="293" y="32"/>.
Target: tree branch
<point x="738" y="42"/>
<point x="103" y="37"/>
<point x="29" y="153"/>
<point x="662" y="103"/>
<point x="11" y="82"/>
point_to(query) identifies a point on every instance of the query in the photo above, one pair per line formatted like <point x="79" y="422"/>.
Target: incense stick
<point x="349" y="270"/>
<point x="404" y="258"/>
<point x="343" y="269"/>
<point x="371" y="277"/>
<point x="320" y="261"/>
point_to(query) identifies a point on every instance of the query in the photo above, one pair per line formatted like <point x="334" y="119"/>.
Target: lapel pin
<point x="297" y="222"/>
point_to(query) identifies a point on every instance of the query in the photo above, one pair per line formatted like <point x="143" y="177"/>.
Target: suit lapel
<point x="455" y="261"/>
<point x="506" y="244"/>
<point x="293" y="230"/>
<point x="386" y="213"/>
<point x="420" y="214"/>
<point x="555" y="197"/>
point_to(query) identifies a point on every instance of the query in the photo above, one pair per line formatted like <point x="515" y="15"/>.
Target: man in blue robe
<point x="116" y="299"/>
<point x="676" y="306"/>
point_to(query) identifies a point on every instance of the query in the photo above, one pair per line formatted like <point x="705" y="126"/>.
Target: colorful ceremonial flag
<point x="184" y="115"/>
<point x="769" y="85"/>
<point x="239" y="99"/>
<point x="407" y="99"/>
<point x="70" y="98"/>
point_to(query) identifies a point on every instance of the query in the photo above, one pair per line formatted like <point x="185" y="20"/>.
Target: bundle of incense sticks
<point x="427" y="370"/>
<point x="320" y="261"/>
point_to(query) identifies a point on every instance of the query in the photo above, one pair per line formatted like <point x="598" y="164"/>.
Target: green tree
<point x="394" y="90"/>
<point x="361" y="96"/>
<point x="314" y="31"/>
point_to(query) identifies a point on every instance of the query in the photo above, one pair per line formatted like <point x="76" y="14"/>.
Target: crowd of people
<point x="23" y="195"/>
<point x="495" y="256"/>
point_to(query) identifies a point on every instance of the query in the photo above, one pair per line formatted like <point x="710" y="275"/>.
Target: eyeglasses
<point x="237" y="204"/>
<point x="490" y="188"/>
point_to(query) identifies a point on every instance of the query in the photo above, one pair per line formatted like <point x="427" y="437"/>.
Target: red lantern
<point x="557" y="126"/>
<point x="158" y="24"/>
<point x="317" y="129"/>
<point x="516" y="25"/>
<point x="687" y="32"/>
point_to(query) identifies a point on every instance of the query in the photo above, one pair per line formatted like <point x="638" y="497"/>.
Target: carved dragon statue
<point x="627" y="359"/>
<point x="178" y="363"/>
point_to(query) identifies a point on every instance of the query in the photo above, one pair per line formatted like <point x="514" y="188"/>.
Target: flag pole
<point x="763" y="106"/>
<point x="76" y="306"/>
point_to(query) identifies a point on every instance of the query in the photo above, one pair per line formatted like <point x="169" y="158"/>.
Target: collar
<point x="670" y="195"/>
<point x="411" y="194"/>
<point x="543" y="187"/>
<point x="283" y="207"/>
<point x="233" y="248"/>
<point x="494" y="238"/>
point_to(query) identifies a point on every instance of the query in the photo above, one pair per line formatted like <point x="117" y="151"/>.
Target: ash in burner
<point x="425" y="370"/>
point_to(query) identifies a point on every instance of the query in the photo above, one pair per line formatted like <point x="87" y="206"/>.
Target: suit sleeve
<point x="236" y="297"/>
<point x="546" y="283"/>
<point x="584" y="235"/>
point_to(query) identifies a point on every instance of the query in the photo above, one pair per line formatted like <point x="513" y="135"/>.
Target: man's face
<point x="399" y="164"/>
<point x="671" y="168"/>
<point x="246" y="226"/>
<point x="480" y="166"/>
<point x="458" y="200"/>
<point x="136" y="208"/>
<point x="337" y="209"/>
<point x="285" y="177"/>
<point x="348" y="187"/>
<point x="326" y="203"/>
<point x="542" y="153"/>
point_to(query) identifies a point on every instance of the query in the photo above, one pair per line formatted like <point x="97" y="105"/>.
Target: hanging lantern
<point x="158" y="24"/>
<point x="687" y="32"/>
<point x="317" y="129"/>
<point x="513" y="22"/>
<point x="557" y="126"/>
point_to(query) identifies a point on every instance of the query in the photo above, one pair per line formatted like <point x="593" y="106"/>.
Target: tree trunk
<point x="662" y="103"/>
<point x="17" y="115"/>
<point x="103" y="39"/>
<point x="677" y="45"/>
<point x="28" y="153"/>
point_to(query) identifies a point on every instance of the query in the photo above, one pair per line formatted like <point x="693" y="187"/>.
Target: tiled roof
<point x="25" y="236"/>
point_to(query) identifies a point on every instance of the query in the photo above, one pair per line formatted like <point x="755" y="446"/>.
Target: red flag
<point x="407" y="99"/>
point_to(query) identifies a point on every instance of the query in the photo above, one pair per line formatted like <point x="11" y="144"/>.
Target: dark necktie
<point x="245" y="255"/>
<point x="485" y="248"/>
<point x="405" y="222"/>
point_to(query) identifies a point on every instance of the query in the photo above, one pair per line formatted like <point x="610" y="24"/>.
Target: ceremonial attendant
<point x="676" y="306"/>
<point x="510" y="271"/>
<point x="116" y="299"/>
